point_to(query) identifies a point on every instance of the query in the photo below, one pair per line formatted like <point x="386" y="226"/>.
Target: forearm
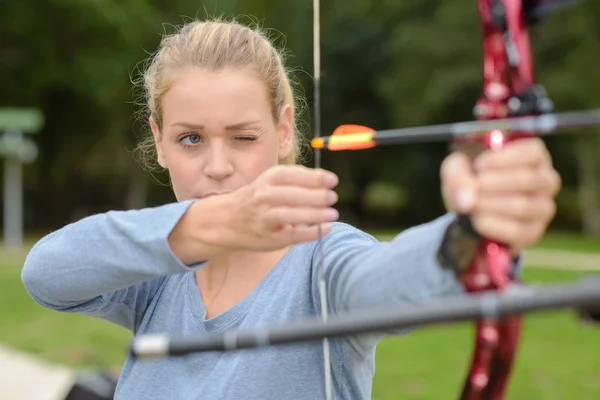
<point x="399" y="272"/>
<point x="104" y="253"/>
<point x="365" y="274"/>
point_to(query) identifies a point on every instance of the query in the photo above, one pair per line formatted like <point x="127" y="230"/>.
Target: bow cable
<point x="317" y="134"/>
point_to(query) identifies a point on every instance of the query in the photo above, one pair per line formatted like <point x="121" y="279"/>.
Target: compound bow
<point x="512" y="106"/>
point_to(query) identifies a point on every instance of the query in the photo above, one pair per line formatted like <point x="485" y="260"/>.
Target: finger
<point x="508" y="231"/>
<point x="298" y="175"/>
<point x="458" y="183"/>
<point x="302" y="233"/>
<point x="518" y="207"/>
<point x="279" y="216"/>
<point x="541" y="180"/>
<point x="295" y="196"/>
<point x="529" y="151"/>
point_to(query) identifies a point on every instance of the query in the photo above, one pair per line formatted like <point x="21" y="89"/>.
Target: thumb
<point x="458" y="183"/>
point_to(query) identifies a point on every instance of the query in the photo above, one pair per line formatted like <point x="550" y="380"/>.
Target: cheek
<point x="251" y="162"/>
<point x="184" y="176"/>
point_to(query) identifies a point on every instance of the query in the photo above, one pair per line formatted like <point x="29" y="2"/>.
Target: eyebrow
<point x="235" y="127"/>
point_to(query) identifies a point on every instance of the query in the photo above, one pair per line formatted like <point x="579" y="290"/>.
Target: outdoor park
<point x="68" y="128"/>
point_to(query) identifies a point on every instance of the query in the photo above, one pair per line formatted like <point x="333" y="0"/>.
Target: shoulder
<point x="344" y="234"/>
<point x="342" y="239"/>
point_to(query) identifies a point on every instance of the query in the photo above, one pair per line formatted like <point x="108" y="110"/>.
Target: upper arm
<point x="125" y="307"/>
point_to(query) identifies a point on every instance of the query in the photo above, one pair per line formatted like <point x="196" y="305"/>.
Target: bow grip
<point x="463" y="250"/>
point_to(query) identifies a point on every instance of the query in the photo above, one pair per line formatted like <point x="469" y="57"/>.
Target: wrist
<point x="459" y="245"/>
<point x="202" y="232"/>
<point x="215" y="222"/>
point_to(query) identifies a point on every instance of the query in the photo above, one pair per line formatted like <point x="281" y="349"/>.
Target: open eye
<point x="190" y="139"/>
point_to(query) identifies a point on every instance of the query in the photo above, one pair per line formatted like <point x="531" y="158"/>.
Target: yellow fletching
<point x="351" y="138"/>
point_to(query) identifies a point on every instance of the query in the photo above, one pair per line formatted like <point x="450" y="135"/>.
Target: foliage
<point x="385" y="64"/>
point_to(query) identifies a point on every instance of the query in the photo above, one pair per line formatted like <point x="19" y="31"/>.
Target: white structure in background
<point x="16" y="149"/>
<point x="27" y="377"/>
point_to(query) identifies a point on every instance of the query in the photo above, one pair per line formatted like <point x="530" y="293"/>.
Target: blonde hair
<point x="215" y="45"/>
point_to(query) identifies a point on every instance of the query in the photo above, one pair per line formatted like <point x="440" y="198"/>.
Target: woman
<point x="237" y="249"/>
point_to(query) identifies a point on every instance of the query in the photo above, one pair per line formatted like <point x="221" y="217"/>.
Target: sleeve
<point x="108" y="265"/>
<point x="362" y="273"/>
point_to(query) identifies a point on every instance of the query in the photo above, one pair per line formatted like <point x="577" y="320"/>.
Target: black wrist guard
<point x="459" y="245"/>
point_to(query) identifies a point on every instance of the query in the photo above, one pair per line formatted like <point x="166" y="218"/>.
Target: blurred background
<point x="385" y="64"/>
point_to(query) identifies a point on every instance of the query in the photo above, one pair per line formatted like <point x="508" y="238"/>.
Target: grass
<point x="558" y="357"/>
<point x="63" y="338"/>
<point x="552" y="240"/>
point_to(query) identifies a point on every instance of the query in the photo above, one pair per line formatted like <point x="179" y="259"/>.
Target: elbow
<point x="36" y="275"/>
<point x="31" y="271"/>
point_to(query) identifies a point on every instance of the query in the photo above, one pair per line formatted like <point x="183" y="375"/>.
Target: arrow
<point x="358" y="137"/>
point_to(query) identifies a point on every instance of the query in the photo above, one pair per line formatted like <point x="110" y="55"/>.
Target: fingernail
<point x="464" y="200"/>
<point x="330" y="179"/>
<point x="331" y="214"/>
<point x="332" y="198"/>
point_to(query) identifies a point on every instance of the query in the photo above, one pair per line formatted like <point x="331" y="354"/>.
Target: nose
<point x="218" y="165"/>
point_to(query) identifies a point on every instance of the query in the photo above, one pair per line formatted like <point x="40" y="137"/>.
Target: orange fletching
<point x="351" y="137"/>
<point x="352" y="129"/>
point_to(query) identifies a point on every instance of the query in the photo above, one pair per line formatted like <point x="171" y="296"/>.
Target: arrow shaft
<point x="582" y="294"/>
<point x="542" y="124"/>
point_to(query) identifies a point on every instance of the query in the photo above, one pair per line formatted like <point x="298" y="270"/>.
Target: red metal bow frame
<point x="512" y="106"/>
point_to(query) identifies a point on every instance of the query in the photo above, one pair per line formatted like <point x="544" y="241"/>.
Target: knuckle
<point x="513" y="230"/>
<point x="537" y="146"/>
<point x="526" y="179"/>
<point x="269" y="177"/>
<point x="535" y="233"/>
<point x="262" y="194"/>
<point x="280" y="194"/>
<point x="553" y="209"/>
<point x="326" y="197"/>
<point x="550" y="208"/>
<point x="480" y="224"/>
<point x="555" y="181"/>
<point x="279" y="214"/>
<point x="449" y="163"/>
<point x="524" y="205"/>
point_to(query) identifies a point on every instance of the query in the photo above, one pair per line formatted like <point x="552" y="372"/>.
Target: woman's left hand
<point x="509" y="194"/>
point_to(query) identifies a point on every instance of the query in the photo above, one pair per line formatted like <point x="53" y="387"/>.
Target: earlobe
<point x="286" y="132"/>
<point x="158" y="143"/>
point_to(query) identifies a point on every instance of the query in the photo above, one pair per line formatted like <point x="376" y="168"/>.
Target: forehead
<point x="228" y="93"/>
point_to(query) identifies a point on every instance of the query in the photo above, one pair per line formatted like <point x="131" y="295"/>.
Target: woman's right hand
<point x="283" y="206"/>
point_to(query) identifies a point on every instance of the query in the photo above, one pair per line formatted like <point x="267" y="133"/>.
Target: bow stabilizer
<point x="583" y="294"/>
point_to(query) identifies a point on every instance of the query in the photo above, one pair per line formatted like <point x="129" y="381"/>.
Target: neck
<point x="237" y="266"/>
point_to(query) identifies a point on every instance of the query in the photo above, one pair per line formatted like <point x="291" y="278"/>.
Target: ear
<point x="158" y="143"/>
<point x="286" y="131"/>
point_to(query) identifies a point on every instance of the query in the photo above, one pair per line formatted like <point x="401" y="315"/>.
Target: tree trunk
<point x="137" y="191"/>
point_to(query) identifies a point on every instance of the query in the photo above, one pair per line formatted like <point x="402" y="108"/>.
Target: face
<point x="218" y="132"/>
